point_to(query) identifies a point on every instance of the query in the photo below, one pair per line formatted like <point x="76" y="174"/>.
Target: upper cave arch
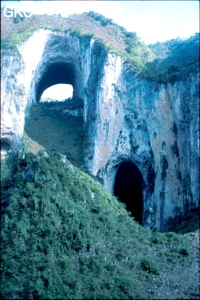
<point x="55" y="73"/>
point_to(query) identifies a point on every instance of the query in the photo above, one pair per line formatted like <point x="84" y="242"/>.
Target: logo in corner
<point x="13" y="13"/>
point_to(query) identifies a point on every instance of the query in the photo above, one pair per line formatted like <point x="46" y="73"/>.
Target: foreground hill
<point x="64" y="236"/>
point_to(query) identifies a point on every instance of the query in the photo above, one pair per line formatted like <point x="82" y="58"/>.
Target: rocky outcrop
<point x="126" y="118"/>
<point x="18" y="71"/>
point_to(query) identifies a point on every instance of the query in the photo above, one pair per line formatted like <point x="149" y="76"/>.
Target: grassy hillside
<point x="50" y="127"/>
<point x="65" y="237"/>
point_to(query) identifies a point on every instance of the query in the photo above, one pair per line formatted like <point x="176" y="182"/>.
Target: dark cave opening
<point x="56" y="73"/>
<point x="128" y="188"/>
<point x="6" y="144"/>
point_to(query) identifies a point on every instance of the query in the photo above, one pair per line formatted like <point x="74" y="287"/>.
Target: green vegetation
<point x="21" y="36"/>
<point x="98" y="17"/>
<point x="65" y="237"/>
<point x="175" y="60"/>
<point x="50" y="126"/>
<point x="177" y="51"/>
<point x="131" y="49"/>
<point x="87" y="25"/>
<point x="162" y="62"/>
<point x="8" y="163"/>
<point x="149" y="266"/>
<point x="185" y="223"/>
<point x="184" y="251"/>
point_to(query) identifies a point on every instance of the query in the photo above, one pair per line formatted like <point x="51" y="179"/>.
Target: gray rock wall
<point x="157" y="129"/>
<point x="126" y="118"/>
<point x="13" y="102"/>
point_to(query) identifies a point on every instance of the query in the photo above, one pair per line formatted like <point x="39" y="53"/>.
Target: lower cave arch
<point x="128" y="187"/>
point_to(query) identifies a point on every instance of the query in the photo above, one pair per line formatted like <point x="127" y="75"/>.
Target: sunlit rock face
<point x="18" y="73"/>
<point x="155" y="127"/>
<point x="12" y="106"/>
<point x="126" y="118"/>
<point x="57" y="58"/>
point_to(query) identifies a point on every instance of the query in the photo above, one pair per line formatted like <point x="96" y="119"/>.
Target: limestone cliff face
<point x="156" y="127"/>
<point x="18" y="73"/>
<point x="13" y="102"/>
<point x="126" y="118"/>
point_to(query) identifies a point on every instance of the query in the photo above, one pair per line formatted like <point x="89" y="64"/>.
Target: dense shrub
<point x="98" y="17"/>
<point x="63" y="236"/>
<point x="149" y="266"/>
<point x="176" y="59"/>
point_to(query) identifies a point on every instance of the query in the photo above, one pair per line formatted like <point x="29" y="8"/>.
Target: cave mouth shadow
<point x="128" y="187"/>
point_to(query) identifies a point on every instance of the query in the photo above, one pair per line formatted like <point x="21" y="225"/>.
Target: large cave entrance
<point x="55" y="124"/>
<point x="56" y="73"/>
<point x="128" y="188"/>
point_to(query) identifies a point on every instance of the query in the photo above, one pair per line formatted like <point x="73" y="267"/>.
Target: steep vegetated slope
<point x="64" y="236"/>
<point x="56" y="126"/>
<point x="160" y="62"/>
<point x="176" y="59"/>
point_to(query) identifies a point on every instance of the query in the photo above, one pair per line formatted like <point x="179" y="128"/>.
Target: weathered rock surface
<point x="155" y="126"/>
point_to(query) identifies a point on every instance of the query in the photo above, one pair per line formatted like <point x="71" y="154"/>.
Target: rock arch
<point x="59" y="72"/>
<point x="61" y="62"/>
